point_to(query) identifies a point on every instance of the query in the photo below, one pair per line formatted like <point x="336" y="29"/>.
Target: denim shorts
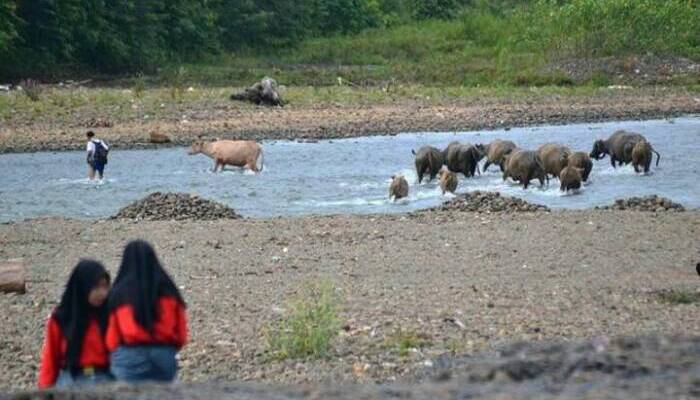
<point x="144" y="363"/>
<point x="66" y="379"/>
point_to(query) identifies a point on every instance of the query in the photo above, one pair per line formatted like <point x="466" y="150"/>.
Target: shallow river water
<point x="339" y="176"/>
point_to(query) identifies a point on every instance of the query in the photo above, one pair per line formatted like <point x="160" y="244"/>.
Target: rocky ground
<point x="647" y="203"/>
<point x="413" y="290"/>
<point x="175" y="206"/>
<point x="30" y="128"/>
<point x="640" y="368"/>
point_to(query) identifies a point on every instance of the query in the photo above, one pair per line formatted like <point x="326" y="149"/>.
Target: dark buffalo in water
<point x="523" y="166"/>
<point x="580" y="159"/>
<point x="642" y="156"/>
<point x="462" y="158"/>
<point x="554" y="157"/>
<point x="496" y="152"/>
<point x="619" y="146"/>
<point x="428" y="160"/>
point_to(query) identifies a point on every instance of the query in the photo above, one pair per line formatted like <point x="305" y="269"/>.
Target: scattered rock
<point x="478" y="201"/>
<point x="159" y="138"/>
<point x="649" y="203"/>
<point x="178" y="206"/>
<point x="261" y="93"/>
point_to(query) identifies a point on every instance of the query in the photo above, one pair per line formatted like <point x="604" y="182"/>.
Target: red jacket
<point x="92" y="354"/>
<point x="170" y="328"/>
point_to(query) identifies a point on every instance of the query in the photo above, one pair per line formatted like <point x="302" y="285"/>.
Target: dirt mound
<point x="478" y="201"/>
<point x="648" y="203"/>
<point x="175" y="206"/>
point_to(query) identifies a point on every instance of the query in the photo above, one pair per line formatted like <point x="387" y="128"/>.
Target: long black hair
<point x="140" y="281"/>
<point x="74" y="311"/>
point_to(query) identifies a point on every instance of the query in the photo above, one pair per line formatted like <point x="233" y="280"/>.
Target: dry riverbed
<point x="59" y="120"/>
<point x="446" y="282"/>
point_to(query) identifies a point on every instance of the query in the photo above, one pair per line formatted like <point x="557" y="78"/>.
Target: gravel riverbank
<point x="124" y="127"/>
<point x="458" y="282"/>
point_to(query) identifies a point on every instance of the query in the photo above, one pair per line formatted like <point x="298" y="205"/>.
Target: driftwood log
<point x="13" y="276"/>
<point x="261" y="93"/>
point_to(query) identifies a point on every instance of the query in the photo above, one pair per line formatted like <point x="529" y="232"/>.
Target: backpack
<point x="101" y="151"/>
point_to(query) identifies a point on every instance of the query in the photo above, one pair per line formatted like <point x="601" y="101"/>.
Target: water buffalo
<point x="580" y="159"/>
<point x="462" y="158"/>
<point x="618" y="146"/>
<point x="554" y="158"/>
<point x="239" y="153"/>
<point x="523" y="166"/>
<point x="428" y="160"/>
<point x="641" y="156"/>
<point x="570" y="178"/>
<point x="398" y="188"/>
<point x="448" y="181"/>
<point x="496" y="151"/>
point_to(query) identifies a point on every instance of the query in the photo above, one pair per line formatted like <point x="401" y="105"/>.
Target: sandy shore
<point x="461" y="282"/>
<point x="124" y="127"/>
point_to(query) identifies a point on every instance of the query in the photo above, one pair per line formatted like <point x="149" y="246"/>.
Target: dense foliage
<point x="41" y="38"/>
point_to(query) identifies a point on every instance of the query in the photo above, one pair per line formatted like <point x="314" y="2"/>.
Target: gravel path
<point x="462" y="282"/>
<point x="184" y="122"/>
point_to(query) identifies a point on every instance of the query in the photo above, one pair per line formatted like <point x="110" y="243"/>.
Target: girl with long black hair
<point x="147" y="320"/>
<point x="74" y="348"/>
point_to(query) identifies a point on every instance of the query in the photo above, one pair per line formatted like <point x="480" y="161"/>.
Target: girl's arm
<point x="51" y="355"/>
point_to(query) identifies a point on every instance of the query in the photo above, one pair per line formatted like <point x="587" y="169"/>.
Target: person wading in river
<point x="147" y="320"/>
<point x="96" y="155"/>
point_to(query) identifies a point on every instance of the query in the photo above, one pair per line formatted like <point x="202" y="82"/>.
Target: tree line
<point x="41" y="37"/>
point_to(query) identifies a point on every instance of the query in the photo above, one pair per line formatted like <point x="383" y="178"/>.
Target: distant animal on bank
<point x="554" y="158"/>
<point x="462" y="158"/>
<point x="570" y="178"/>
<point x="428" y="160"/>
<point x="619" y="146"/>
<point x="580" y="159"/>
<point x="496" y="152"/>
<point x="398" y="189"/>
<point x="238" y="153"/>
<point x="523" y="166"/>
<point x="448" y="181"/>
<point x="642" y="156"/>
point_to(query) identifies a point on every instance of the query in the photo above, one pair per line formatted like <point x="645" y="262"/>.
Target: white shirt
<point x="91" y="145"/>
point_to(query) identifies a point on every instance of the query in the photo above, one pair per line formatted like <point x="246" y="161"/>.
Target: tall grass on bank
<point x="310" y="326"/>
<point x="483" y="46"/>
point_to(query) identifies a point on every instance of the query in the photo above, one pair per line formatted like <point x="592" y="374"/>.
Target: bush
<point x="595" y="28"/>
<point x="31" y="89"/>
<point x="310" y="326"/>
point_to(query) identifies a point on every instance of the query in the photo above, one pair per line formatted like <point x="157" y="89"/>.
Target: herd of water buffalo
<point x="522" y="165"/>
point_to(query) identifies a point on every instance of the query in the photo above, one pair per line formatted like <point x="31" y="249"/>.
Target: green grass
<point x="483" y="46"/>
<point x="309" y="328"/>
<point x="402" y="342"/>
<point x="676" y="297"/>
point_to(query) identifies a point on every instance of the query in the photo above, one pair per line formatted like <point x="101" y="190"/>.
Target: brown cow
<point x="239" y="153"/>
<point x="496" y="152"/>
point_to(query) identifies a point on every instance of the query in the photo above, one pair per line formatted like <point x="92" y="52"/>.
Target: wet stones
<point x="478" y="201"/>
<point x="175" y="206"/>
<point x="651" y="203"/>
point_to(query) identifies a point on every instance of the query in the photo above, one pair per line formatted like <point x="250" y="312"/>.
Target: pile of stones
<point x="649" y="203"/>
<point x="175" y="206"/>
<point x="478" y="201"/>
